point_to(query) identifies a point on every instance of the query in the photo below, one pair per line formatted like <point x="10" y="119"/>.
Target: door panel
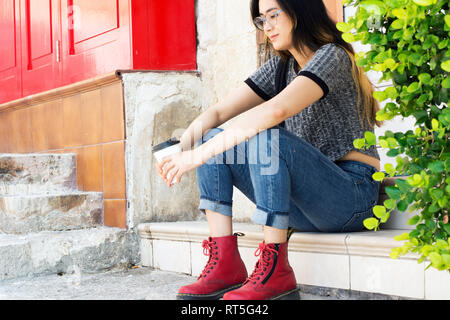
<point x="98" y="38"/>
<point x="40" y="34"/>
<point x="10" y="48"/>
<point x="100" y="16"/>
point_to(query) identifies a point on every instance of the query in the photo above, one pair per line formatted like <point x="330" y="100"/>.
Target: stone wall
<point x="158" y="106"/>
<point x="226" y="56"/>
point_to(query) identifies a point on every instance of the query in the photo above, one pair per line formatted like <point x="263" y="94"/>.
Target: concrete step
<point x="63" y="252"/>
<point x="353" y="262"/>
<point x="37" y="173"/>
<point x="58" y="211"/>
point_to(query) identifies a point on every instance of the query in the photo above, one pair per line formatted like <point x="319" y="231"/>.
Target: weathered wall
<point x="158" y="106"/>
<point x="226" y="56"/>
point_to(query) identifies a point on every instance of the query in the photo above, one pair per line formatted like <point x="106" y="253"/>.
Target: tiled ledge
<point x="353" y="261"/>
<point x="366" y="243"/>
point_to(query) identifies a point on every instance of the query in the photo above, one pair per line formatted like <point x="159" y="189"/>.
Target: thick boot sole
<point x="212" y="296"/>
<point x="288" y="295"/>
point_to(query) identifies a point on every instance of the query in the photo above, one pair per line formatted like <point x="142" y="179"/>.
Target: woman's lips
<point x="273" y="37"/>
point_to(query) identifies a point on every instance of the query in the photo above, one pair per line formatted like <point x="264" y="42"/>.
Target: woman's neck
<point x="301" y="59"/>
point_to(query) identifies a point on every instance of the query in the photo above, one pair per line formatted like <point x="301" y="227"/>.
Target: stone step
<point x="52" y="252"/>
<point x="37" y="173"/>
<point x="53" y="212"/>
<point x="356" y="261"/>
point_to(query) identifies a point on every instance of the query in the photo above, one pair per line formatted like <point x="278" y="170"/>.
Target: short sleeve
<point x="326" y="67"/>
<point x="262" y="81"/>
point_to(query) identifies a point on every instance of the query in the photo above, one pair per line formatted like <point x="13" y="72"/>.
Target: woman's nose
<point x="267" y="26"/>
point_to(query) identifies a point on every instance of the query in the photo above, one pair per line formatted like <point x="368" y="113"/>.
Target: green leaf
<point x="393" y="153"/>
<point x="344" y="26"/>
<point x="447" y="228"/>
<point x="413" y="87"/>
<point x="348" y="37"/>
<point x="414" y="220"/>
<point x="446" y="83"/>
<point x="374" y="7"/>
<point x="397" y="24"/>
<point x="424" y="3"/>
<point x="436" y="259"/>
<point x="390" y="203"/>
<point x="436" y="166"/>
<point x="371" y="139"/>
<point x="379" y="211"/>
<point x="442" y="201"/>
<point x="435" y="124"/>
<point x="402" y="237"/>
<point x="447" y="20"/>
<point x="446" y="65"/>
<point x="436" y="193"/>
<point x="378" y="176"/>
<point x="371" y="223"/>
<point x="389" y="168"/>
<point x="402" y="205"/>
<point x="399" y="13"/>
<point x="425" y="78"/>
<point x="358" y="143"/>
<point x="393" y="192"/>
<point x="383" y="143"/>
<point x="392" y="142"/>
<point x="415" y="180"/>
<point x="391" y="93"/>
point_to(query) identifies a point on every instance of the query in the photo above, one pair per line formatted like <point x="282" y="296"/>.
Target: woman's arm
<point x="298" y="95"/>
<point x="236" y="102"/>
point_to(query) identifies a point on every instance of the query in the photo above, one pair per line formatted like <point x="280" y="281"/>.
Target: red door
<point x="45" y="44"/>
<point x="96" y="38"/>
<point x="41" y="40"/>
<point x="10" y="51"/>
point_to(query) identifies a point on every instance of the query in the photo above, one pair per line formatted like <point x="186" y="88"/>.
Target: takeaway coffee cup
<point x="165" y="149"/>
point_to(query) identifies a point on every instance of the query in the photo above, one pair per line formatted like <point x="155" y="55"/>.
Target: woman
<point x="314" y="182"/>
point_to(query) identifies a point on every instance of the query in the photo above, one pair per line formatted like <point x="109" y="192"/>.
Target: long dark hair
<point x="313" y="28"/>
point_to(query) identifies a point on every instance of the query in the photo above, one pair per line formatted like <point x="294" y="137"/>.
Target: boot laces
<point x="209" y="250"/>
<point x="265" y="254"/>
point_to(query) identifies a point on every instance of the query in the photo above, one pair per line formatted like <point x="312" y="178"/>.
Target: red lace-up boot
<point x="224" y="271"/>
<point x="272" y="279"/>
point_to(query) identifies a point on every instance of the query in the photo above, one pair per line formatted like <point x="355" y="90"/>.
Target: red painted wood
<point x="93" y="38"/>
<point x="39" y="25"/>
<point x="171" y="39"/>
<point x="98" y="34"/>
<point x="10" y="51"/>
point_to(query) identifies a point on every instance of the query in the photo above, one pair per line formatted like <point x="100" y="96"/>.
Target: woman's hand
<point x="177" y="165"/>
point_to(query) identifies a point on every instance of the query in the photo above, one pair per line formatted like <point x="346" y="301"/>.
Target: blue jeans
<point x="291" y="182"/>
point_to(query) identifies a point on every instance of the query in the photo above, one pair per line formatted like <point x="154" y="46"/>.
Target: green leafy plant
<point x="409" y="41"/>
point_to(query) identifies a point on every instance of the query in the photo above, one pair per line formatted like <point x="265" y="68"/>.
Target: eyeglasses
<point x="271" y="19"/>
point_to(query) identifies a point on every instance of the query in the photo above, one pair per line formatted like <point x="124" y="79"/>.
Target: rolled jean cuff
<point x="216" y="206"/>
<point x="278" y="220"/>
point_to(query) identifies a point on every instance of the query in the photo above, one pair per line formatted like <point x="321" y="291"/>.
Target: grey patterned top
<point x="331" y="123"/>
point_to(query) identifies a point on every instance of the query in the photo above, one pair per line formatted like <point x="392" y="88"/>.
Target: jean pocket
<point x="356" y="221"/>
<point x="360" y="178"/>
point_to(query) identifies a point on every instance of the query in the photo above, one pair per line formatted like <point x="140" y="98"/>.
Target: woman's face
<point x="277" y="28"/>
